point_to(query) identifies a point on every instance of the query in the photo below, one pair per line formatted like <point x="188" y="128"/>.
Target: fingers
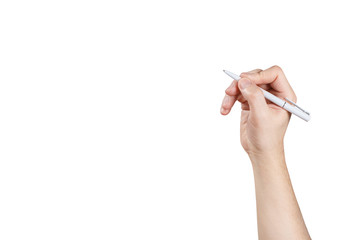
<point x="233" y="89"/>
<point x="227" y="104"/>
<point x="255" y="98"/>
<point x="275" y="77"/>
<point x="233" y="94"/>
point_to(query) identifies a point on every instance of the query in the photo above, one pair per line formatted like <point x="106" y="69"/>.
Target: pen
<point x="288" y="105"/>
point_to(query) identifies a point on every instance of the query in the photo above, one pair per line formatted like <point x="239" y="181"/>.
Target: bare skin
<point x="262" y="129"/>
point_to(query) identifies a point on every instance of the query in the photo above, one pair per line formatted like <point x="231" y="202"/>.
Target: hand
<point x="263" y="124"/>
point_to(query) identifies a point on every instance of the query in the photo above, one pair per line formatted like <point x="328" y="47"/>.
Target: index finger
<point x="276" y="78"/>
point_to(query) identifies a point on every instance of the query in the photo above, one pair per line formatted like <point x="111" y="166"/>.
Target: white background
<point x="110" y="125"/>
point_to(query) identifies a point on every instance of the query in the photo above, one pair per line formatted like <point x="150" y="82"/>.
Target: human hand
<point x="263" y="124"/>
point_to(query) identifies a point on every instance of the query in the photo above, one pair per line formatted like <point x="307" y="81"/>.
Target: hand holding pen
<point x="286" y="104"/>
<point x="263" y="123"/>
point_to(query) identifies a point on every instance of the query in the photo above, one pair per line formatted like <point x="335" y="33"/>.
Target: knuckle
<point x="261" y="74"/>
<point x="257" y="70"/>
<point x="277" y="68"/>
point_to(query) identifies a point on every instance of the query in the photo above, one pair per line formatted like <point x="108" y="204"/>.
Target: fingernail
<point x="222" y="110"/>
<point x="244" y="83"/>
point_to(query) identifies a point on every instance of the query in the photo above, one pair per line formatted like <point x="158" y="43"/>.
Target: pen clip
<point x="297" y="106"/>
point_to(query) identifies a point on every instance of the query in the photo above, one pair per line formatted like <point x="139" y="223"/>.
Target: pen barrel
<point x="273" y="98"/>
<point x="297" y="112"/>
<point x="285" y="105"/>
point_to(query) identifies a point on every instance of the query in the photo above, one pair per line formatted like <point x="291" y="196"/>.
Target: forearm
<point x="262" y="129"/>
<point x="278" y="213"/>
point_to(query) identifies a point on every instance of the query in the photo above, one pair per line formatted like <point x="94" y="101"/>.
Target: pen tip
<point x="232" y="75"/>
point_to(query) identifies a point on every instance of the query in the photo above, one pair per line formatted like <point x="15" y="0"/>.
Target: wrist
<point x="270" y="152"/>
<point x="268" y="159"/>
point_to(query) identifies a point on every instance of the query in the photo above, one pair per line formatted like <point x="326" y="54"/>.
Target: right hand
<point x="263" y="124"/>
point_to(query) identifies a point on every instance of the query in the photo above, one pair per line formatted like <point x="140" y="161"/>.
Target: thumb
<point x="255" y="97"/>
